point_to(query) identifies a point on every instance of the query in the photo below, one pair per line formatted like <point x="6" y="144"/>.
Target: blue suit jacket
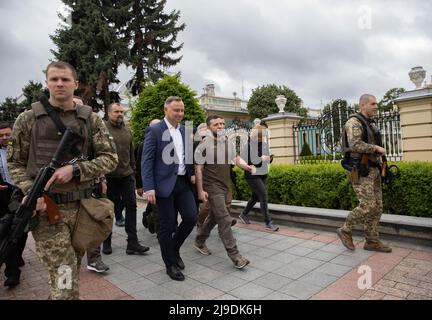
<point x="156" y="174"/>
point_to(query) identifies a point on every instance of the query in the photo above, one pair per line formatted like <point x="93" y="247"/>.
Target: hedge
<point x="327" y="186"/>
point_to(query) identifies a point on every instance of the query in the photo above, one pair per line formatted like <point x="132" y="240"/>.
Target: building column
<point x="281" y="134"/>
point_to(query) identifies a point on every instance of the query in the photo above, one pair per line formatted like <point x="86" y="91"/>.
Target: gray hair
<point x="365" y="98"/>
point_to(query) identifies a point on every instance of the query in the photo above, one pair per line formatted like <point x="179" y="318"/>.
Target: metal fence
<point x="324" y="136"/>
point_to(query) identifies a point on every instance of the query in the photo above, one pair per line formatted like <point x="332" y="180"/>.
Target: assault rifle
<point x="12" y="225"/>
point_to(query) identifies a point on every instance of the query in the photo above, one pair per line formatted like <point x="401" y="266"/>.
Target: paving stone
<point x="313" y="244"/>
<point x="248" y="273"/>
<point x="262" y="242"/>
<point x="299" y="289"/>
<point x="279" y="296"/>
<point x="267" y="265"/>
<point x="299" y="251"/>
<point x="332" y="269"/>
<point x="272" y="281"/>
<point x="156" y="293"/>
<point x="284" y="257"/>
<point x="250" y="291"/>
<point x="136" y="285"/>
<point x="227" y="283"/>
<point x="322" y="255"/>
<point x="206" y="275"/>
<point x="202" y="292"/>
<point x="318" y="279"/>
<point x="179" y="287"/>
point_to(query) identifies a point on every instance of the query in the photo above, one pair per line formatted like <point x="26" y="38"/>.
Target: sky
<point x="322" y="50"/>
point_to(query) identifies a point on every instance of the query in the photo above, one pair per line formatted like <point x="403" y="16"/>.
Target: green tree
<point x="150" y="104"/>
<point x="386" y="103"/>
<point x="262" y="101"/>
<point x="32" y="91"/>
<point x="92" y="41"/>
<point x="10" y="109"/>
<point x="153" y="35"/>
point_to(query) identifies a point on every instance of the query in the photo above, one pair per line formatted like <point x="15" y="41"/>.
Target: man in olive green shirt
<point x="121" y="181"/>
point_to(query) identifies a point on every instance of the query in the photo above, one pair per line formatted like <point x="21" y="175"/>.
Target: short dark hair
<point x="171" y="99"/>
<point x="212" y="117"/>
<point x="61" y="65"/>
<point x="109" y="109"/>
<point x="4" y="125"/>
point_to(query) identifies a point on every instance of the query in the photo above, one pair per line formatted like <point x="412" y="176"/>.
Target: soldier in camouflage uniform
<point x="367" y="188"/>
<point x="35" y="138"/>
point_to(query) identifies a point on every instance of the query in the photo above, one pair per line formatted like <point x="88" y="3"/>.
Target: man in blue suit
<point x="168" y="182"/>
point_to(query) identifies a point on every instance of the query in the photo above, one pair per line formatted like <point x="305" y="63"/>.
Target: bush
<point x="327" y="186"/>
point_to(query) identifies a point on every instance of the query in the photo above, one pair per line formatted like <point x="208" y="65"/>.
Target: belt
<point x="71" y="196"/>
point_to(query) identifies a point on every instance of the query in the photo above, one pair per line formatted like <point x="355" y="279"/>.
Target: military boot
<point x="346" y="238"/>
<point x="376" y="245"/>
<point x="135" y="248"/>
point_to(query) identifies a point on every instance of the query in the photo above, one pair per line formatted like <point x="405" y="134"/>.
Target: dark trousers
<point x="259" y="193"/>
<point x="13" y="259"/>
<point x="181" y="200"/>
<point x="121" y="191"/>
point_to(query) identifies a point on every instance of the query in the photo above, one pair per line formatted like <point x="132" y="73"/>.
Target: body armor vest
<point x="45" y="138"/>
<point x="370" y="136"/>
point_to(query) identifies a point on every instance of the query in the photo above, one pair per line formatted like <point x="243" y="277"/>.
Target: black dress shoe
<point x="175" y="273"/>
<point x="12" y="281"/>
<point x="180" y="262"/>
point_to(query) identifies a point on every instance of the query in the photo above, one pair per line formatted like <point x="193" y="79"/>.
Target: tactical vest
<point x="45" y="139"/>
<point x="368" y="136"/>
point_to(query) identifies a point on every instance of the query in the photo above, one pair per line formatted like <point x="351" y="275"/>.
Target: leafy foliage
<point x="153" y="34"/>
<point x="150" y="104"/>
<point x="295" y="184"/>
<point x="92" y="43"/>
<point x="386" y="103"/>
<point x="262" y="101"/>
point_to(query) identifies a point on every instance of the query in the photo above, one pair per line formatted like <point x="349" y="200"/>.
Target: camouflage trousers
<point x="54" y="248"/>
<point x="369" y="210"/>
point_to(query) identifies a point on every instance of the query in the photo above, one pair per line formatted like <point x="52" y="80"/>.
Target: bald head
<point x="153" y="122"/>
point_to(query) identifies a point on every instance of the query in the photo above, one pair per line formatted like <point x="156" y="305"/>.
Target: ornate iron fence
<point x="323" y="136"/>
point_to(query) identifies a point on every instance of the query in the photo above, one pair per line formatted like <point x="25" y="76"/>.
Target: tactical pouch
<point x="363" y="169"/>
<point x="94" y="223"/>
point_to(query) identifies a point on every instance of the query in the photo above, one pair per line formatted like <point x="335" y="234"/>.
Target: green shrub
<point x="327" y="186"/>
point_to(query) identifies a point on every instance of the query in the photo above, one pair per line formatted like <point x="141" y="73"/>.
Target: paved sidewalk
<point x="290" y="264"/>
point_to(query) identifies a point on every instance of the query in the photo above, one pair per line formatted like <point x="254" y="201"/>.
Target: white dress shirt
<point x="178" y="146"/>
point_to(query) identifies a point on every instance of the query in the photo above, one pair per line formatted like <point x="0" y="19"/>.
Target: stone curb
<point x="394" y="225"/>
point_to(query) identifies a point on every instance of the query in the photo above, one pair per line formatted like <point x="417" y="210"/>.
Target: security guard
<point x="34" y="141"/>
<point x="362" y="159"/>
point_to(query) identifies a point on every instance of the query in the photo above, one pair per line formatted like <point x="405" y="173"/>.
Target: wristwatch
<point x="76" y="172"/>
